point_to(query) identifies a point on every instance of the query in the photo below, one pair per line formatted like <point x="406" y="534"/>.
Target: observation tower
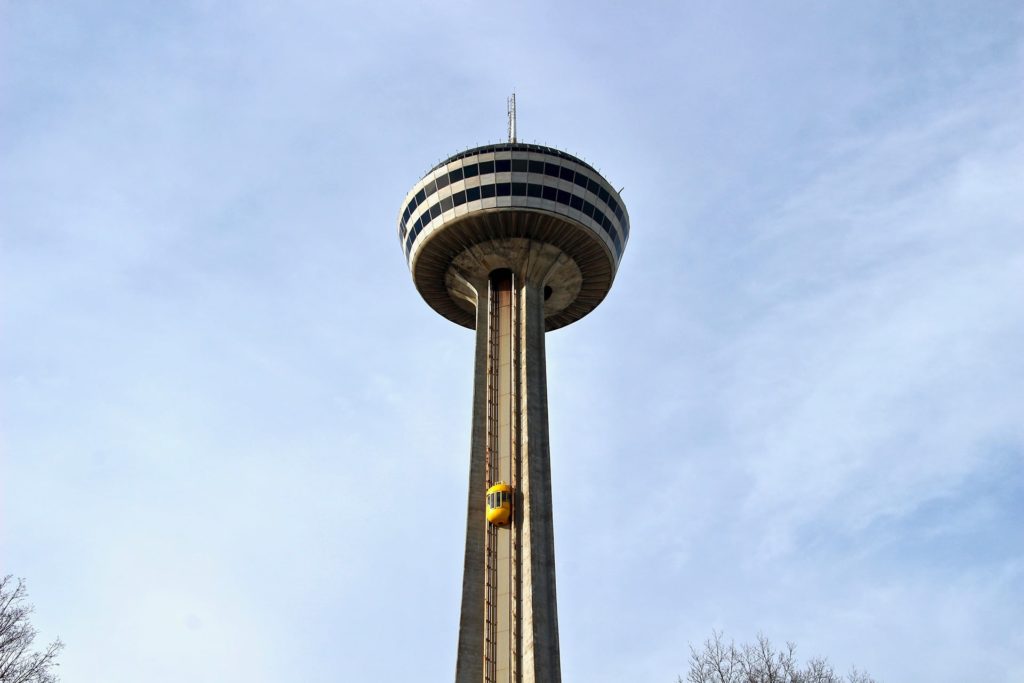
<point x="511" y="240"/>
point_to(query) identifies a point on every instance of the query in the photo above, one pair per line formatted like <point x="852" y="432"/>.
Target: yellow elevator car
<point x="499" y="504"/>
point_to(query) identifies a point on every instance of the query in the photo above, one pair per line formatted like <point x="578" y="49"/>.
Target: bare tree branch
<point x="760" y="662"/>
<point x="18" y="663"/>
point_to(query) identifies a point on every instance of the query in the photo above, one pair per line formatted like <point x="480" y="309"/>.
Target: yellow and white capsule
<point x="499" y="504"/>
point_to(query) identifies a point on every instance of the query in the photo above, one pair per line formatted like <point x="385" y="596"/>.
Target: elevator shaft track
<point x="501" y="596"/>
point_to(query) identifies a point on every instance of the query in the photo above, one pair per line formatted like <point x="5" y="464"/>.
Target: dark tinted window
<point x="435" y="211"/>
<point x="536" y="166"/>
<point x="472" y="193"/>
<point x="598" y="216"/>
<point x="420" y="196"/>
<point x="588" y="208"/>
<point x="519" y="165"/>
<point x="504" y="189"/>
<point x="469" y="171"/>
<point x="533" y="190"/>
<point x="442" y="181"/>
<point x="486" y="167"/>
<point x="551" y="170"/>
<point x="430" y="188"/>
<point x="563" y="197"/>
<point x="566" y="174"/>
<point x="460" y="198"/>
<point x="592" y="186"/>
<point x="446" y="203"/>
<point x="515" y="147"/>
<point x="455" y="175"/>
<point x="576" y="203"/>
<point x="502" y="165"/>
<point x="487" y="191"/>
<point x="580" y="180"/>
<point x="519" y="189"/>
<point x="613" y="204"/>
<point x="603" y="194"/>
<point x="550" y="193"/>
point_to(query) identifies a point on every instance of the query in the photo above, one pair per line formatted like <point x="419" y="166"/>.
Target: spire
<point x="512" y="118"/>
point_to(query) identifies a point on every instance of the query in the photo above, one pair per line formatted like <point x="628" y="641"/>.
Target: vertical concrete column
<point x="469" y="662"/>
<point x="509" y="634"/>
<point x="540" y="653"/>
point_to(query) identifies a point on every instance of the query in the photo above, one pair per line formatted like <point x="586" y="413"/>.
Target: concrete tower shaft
<point x="508" y="631"/>
<point x="511" y="240"/>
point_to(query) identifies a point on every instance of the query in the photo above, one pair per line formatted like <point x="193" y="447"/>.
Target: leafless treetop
<point x="760" y="662"/>
<point x="18" y="662"/>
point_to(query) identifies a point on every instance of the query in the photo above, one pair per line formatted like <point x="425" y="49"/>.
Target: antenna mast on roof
<point x="512" y="118"/>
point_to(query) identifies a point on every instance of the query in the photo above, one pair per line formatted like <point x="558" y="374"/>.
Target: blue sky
<point x="235" y="441"/>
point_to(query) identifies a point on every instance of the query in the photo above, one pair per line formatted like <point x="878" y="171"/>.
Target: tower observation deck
<point x="511" y="240"/>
